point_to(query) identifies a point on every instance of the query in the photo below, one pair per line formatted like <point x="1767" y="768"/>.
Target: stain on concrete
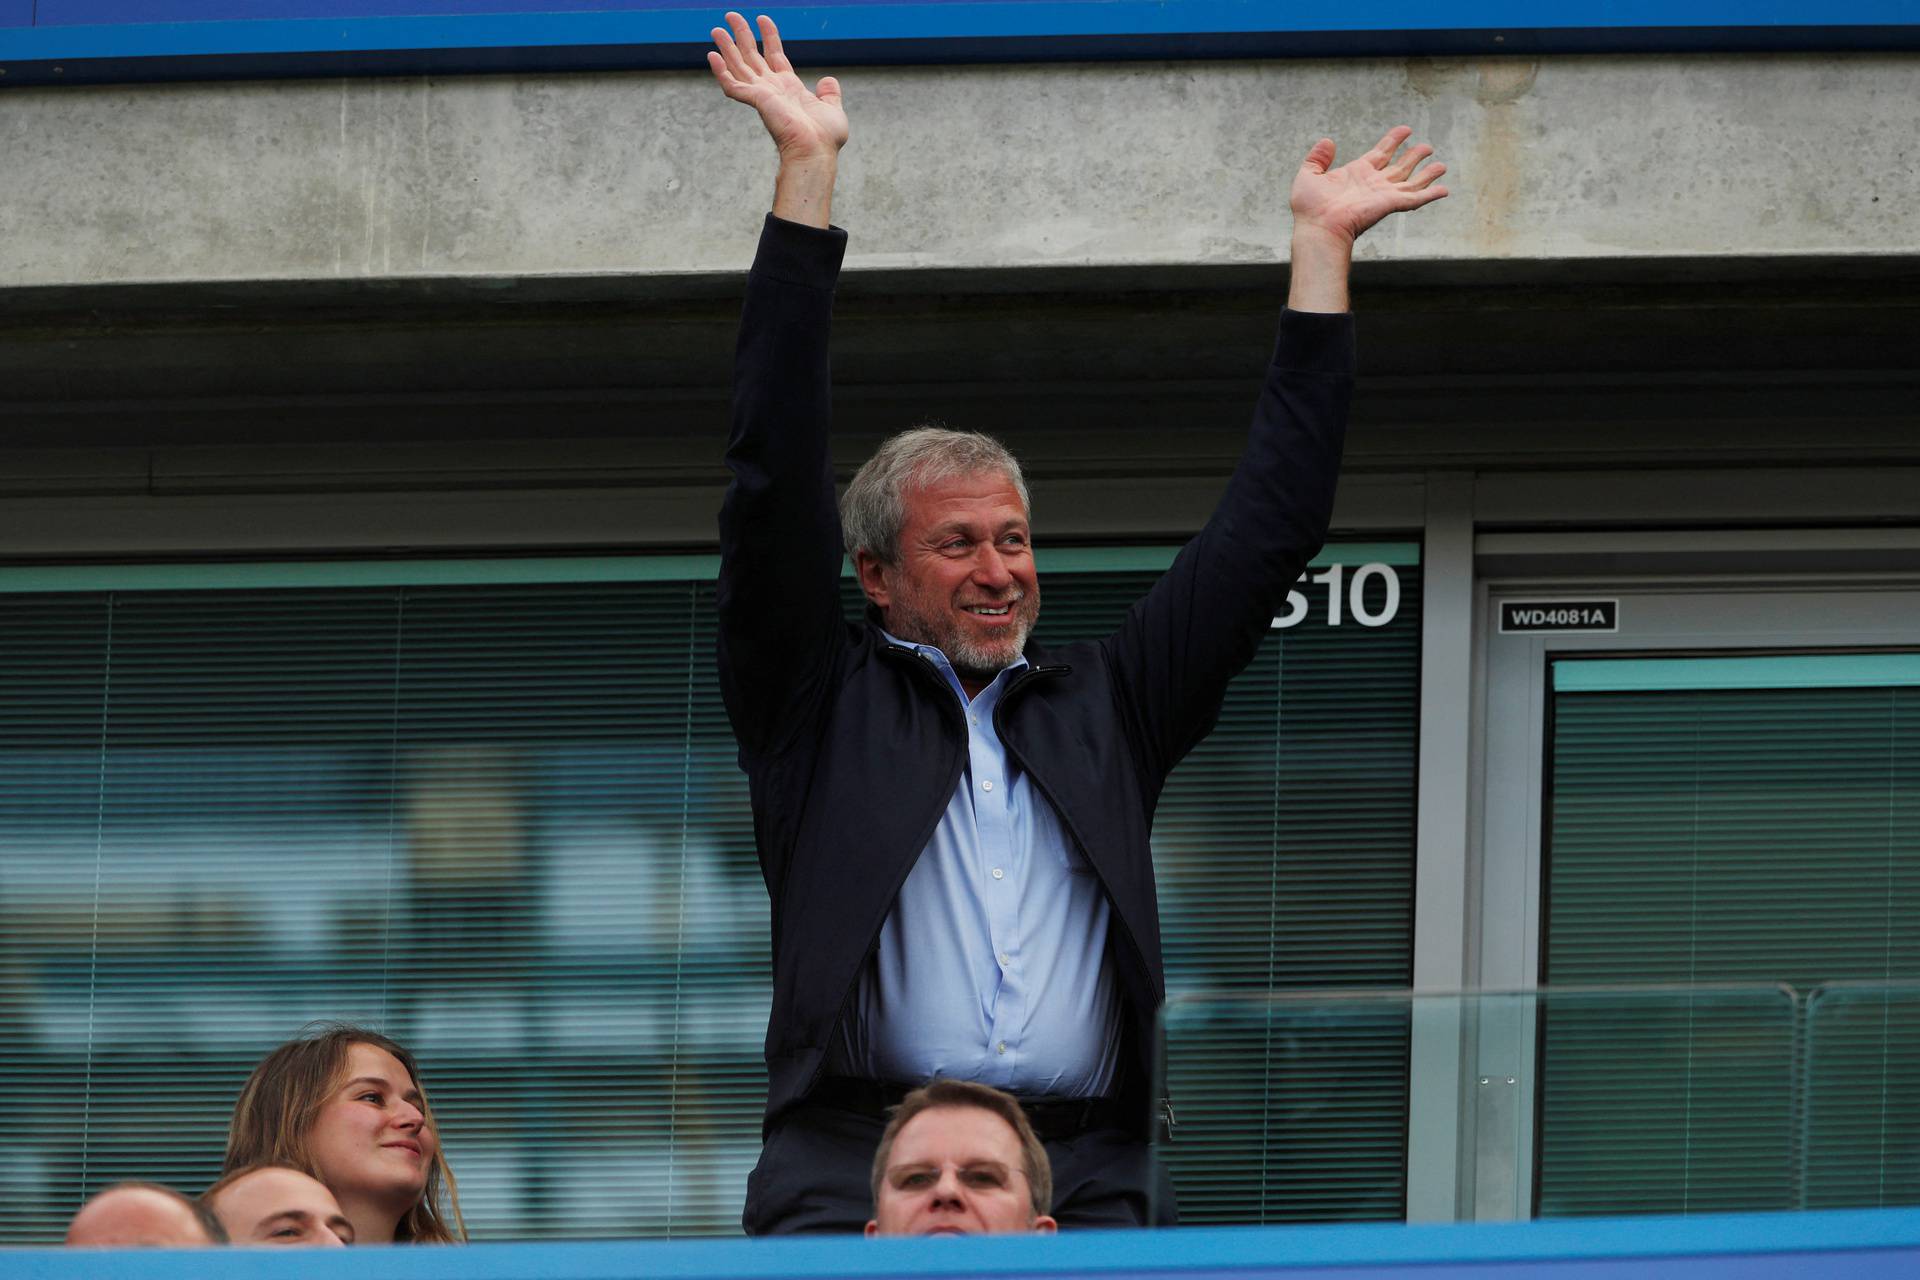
<point x="1498" y="155"/>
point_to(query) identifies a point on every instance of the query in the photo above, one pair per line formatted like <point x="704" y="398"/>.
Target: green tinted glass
<point x="1732" y="820"/>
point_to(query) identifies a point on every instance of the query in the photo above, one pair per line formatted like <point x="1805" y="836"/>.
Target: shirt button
<point x="998" y="874"/>
<point x="973" y="719"/>
<point x="987" y="785"/>
<point x="1005" y="959"/>
<point x="1000" y="1048"/>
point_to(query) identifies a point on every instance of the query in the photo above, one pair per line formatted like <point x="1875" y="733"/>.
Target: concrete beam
<point x="968" y="167"/>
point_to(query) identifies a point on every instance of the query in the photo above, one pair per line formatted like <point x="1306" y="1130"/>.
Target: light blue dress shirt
<point x="992" y="965"/>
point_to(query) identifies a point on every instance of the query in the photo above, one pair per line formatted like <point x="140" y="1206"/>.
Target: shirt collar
<point x="939" y="659"/>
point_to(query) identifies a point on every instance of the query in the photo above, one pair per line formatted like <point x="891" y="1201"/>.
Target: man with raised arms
<point x="953" y="821"/>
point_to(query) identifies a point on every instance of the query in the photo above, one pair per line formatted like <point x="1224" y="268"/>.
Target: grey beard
<point x="979" y="664"/>
<point x="966" y="658"/>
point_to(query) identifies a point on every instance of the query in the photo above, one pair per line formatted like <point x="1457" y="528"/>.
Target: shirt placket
<point x="1002" y="874"/>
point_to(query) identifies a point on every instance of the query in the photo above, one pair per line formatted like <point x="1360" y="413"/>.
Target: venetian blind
<point x="502" y="822"/>
<point x="1284" y="851"/>
<point x="1734" y="820"/>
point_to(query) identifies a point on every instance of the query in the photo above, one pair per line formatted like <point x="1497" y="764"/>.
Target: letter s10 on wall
<point x="1370" y="596"/>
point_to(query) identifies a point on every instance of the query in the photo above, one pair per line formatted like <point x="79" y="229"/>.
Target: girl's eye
<point x="369" y="1096"/>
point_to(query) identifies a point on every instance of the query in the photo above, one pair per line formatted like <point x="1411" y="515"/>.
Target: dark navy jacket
<point x="852" y="746"/>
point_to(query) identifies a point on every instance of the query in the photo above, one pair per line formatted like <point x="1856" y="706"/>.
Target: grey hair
<point x="874" y="508"/>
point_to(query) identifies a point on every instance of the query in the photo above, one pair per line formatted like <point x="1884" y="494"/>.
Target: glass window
<point x="494" y="810"/>
<point x="1729" y="820"/>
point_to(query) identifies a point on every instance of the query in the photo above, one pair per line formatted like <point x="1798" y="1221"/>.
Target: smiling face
<point x="281" y="1206"/>
<point x="955" y="1170"/>
<point x="371" y="1143"/>
<point x="962" y="579"/>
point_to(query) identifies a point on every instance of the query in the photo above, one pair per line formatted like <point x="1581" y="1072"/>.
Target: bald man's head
<point x="132" y="1214"/>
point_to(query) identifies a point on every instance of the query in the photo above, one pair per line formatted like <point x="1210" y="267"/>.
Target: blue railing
<point x="1876" y="1244"/>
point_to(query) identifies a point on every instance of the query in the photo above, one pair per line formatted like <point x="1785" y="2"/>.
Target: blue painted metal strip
<point x="70" y="42"/>
<point x="1837" y="1243"/>
<point x="1788" y="671"/>
<point x="1006" y="17"/>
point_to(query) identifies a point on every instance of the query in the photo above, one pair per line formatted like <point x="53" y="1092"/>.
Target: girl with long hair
<point x="346" y="1105"/>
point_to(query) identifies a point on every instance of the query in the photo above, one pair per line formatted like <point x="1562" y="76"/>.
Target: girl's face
<point x="371" y="1141"/>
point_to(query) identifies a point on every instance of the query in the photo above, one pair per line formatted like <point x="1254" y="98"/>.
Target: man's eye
<point x="914" y="1181"/>
<point x="984" y="1178"/>
<point x="1015" y="540"/>
<point x="286" y="1232"/>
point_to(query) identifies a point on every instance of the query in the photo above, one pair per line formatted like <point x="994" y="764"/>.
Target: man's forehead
<point x="956" y="1133"/>
<point x="282" y="1189"/>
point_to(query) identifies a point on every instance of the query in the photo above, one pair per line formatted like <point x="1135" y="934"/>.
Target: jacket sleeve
<point x="1203" y="621"/>
<point x="780" y="554"/>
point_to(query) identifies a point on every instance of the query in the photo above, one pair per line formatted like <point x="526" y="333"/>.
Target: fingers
<point x="1383" y="150"/>
<point x="743" y="40"/>
<point x="1319" y="156"/>
<point x="828" y="90"/>
<point x="1425" y="177"/>
<point x="770" y="40"/>
<point x="728" y="53"/>
<point x="1402" y="169"/>
<point x="1414" y="199"/>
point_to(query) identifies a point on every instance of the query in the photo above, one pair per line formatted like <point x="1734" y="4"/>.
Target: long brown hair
<point x="273" y="1120"/>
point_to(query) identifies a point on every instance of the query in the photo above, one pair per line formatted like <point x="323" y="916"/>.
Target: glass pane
<point x="504" y="823"/>
<point x="1863" y="1096"/>
<point x="1765" y="832"/>
<point x="1662" y="1095"/>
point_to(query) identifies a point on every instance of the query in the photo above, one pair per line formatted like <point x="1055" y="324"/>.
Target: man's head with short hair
<point x="874" y="508"/>
<point x="937" y="527"/>
<point x="273" y="1204"/>
<point x="960" y="1158"/>
<point x="135" y="1214"/>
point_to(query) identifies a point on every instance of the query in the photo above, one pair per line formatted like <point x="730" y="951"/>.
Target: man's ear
<point x="1045" y="1226"/>
<point x="873" y="1228"/>
<point x="872" y="572"/>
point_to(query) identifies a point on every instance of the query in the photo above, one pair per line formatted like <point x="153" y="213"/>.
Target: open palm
<point x="802" y="123"/>
<point x="1348" y="200"/>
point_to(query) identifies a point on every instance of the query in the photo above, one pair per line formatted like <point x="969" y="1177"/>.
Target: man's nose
<point x="948" y="1188"/>
<point x="990" y="568"/>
